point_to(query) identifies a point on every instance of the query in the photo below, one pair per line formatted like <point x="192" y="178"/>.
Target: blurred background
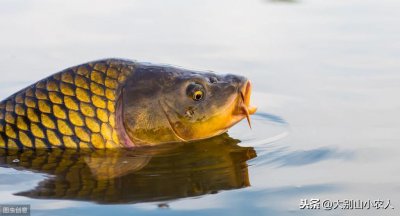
<point x="328" y="68"/>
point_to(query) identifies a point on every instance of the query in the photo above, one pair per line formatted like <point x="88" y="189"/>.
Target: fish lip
<point x="244" y="110"/>
<point x="245" y="96"/>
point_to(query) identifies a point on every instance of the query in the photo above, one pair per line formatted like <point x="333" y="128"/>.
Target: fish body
<point x="116" y="103"/>
<point x="74" y="108"/>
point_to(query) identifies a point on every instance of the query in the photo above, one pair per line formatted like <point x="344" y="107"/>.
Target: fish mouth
<point x="244" y="107"/>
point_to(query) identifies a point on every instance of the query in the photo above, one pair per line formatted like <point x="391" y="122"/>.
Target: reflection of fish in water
<point x="116" y="103"/>
<point x="159" y="173"/>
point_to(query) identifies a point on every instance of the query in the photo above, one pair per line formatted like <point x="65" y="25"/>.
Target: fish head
<point x="169" y="104"/>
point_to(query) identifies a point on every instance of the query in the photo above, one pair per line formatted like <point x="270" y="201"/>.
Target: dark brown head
<point x="161" y="104"/>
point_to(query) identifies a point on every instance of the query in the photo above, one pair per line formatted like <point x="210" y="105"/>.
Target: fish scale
<point x="74" y="108"/>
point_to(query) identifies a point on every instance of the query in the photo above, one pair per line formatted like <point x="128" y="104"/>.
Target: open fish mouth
<point x="244" y="105"/>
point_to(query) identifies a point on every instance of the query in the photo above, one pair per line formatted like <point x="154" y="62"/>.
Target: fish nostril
<point x="213" y="79"/>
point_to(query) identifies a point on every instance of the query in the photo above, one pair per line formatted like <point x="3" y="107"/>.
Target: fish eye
<point x="195" y="91"/>
<point x="198" y="95"/>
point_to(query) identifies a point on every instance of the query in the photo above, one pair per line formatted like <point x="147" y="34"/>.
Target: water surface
<point x="326" y="80"/>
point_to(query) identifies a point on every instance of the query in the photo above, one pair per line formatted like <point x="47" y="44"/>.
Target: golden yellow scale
<point x="71" y="109"/>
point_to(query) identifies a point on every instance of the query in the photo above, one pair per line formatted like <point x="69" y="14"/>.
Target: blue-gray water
<point x="326" y="81"/>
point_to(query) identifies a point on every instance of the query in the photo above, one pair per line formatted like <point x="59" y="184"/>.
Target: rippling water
<point x="326" y="80"/>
